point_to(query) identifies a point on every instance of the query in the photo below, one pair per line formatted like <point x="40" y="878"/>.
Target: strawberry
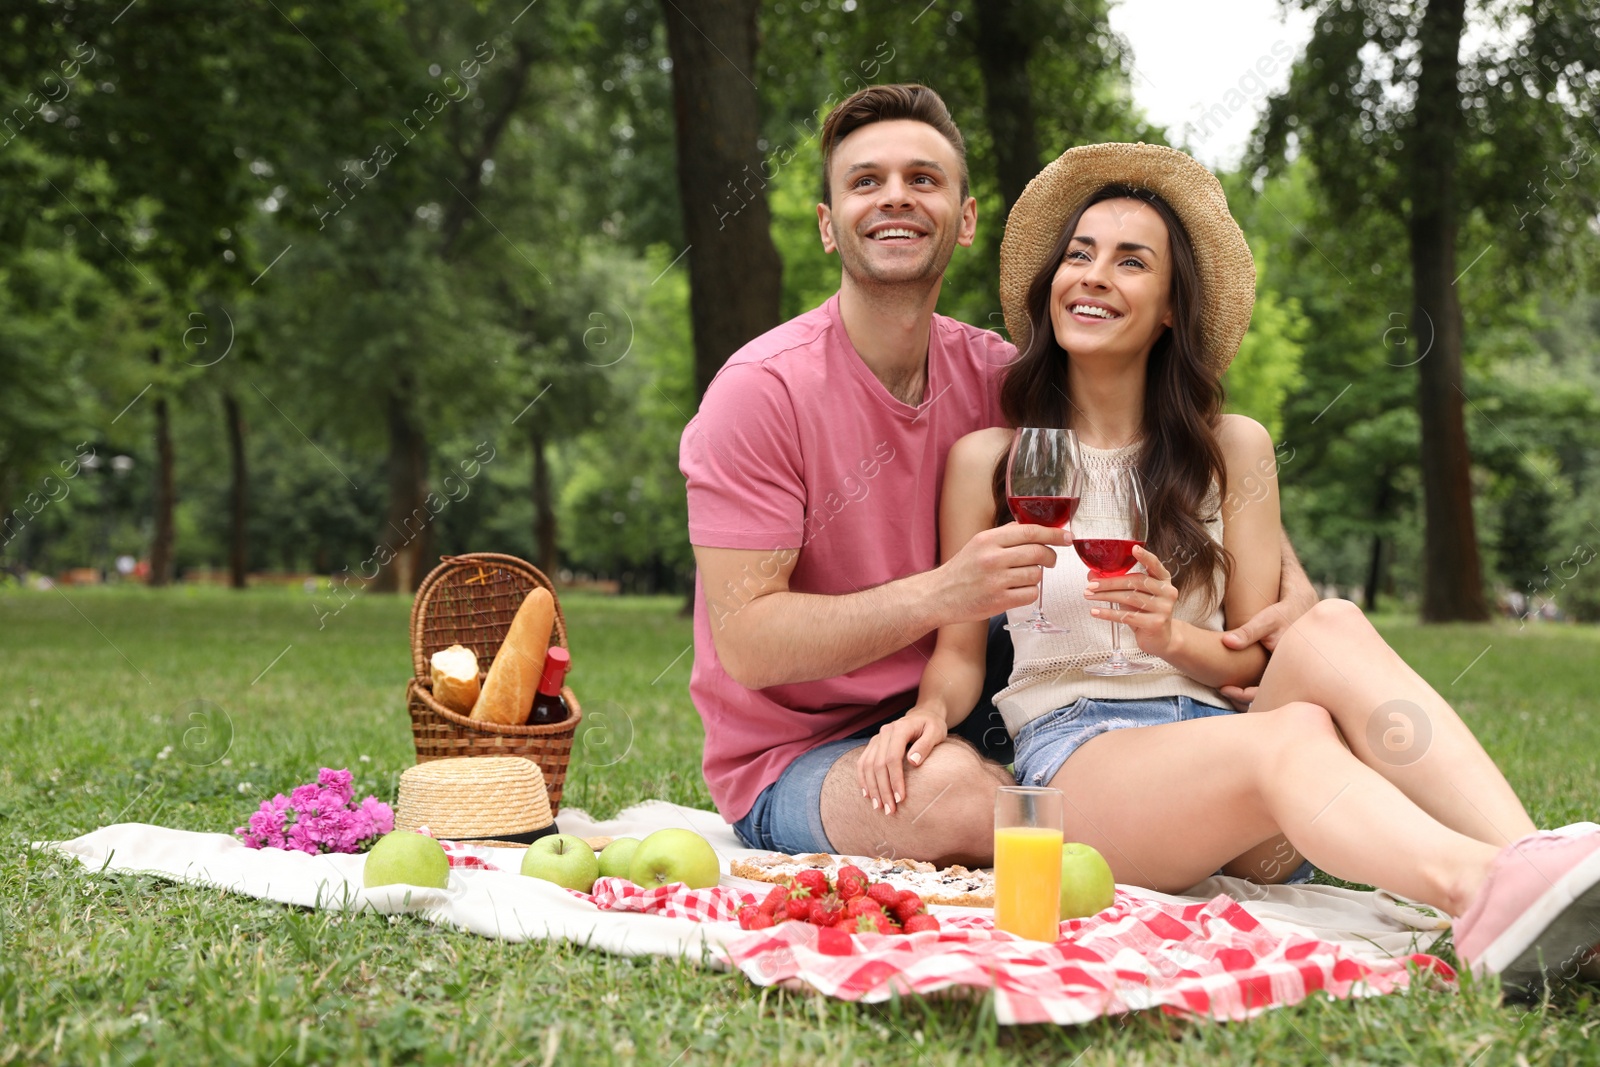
<point x="875" y="922"/>
<point x="849" y="926"/>
<point x="906" y="905"/>
<point x="752" y="917"/>
<point x="884" y="893"/>
<point x="826" y="910"/>
<point x="920" y="922"/>
<point x="775" y="896"/>
<point x="862" y="906"/>
<point x="851" y="882"/>
<point x="815" y="881"/>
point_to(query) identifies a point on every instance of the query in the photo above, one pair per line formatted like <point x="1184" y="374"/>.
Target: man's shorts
<point x="787" y="816"/>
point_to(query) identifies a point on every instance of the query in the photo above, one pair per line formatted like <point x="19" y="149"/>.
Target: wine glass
<point x="1041" y="490"/>
<point x="1109" y="525"/>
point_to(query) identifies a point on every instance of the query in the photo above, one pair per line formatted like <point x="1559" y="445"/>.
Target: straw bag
<point x="470" y="600"/>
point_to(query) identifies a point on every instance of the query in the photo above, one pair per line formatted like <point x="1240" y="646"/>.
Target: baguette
<point x="513" y="677"/>
<point x="455" y="678"/>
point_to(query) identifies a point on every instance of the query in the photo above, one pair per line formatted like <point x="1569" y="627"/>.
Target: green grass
<point x="131" y="970"/>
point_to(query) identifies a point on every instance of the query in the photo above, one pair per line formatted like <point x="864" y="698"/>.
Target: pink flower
<point x="336" y="783"/>
<point x="306" y="797"/>
<point x="317" y="817"/>
<point x="380" y="815"/>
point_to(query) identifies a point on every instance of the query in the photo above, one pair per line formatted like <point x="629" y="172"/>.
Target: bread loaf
<point x="455" y="678"/>
<point x="513" y="677"/>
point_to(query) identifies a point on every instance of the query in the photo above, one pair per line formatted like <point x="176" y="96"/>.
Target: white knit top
<point x="1048" y="671"/>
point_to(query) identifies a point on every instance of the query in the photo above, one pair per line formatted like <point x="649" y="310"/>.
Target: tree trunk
<point x="1369" y="592"/>
<point x="734" y="270"/>
<point x="516" y="83"/>
<point x="1004" y="40"/>
<point x="161" y="545"/>
<point x="544" y="515"/>
<point x="1380" y="511"/>
<point x="408" y="531"/>
<point x="1452" y="580"/>
<point x="238" y="499"/>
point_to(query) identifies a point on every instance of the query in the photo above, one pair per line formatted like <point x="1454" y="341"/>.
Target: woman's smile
<point x="1111" y="288"/>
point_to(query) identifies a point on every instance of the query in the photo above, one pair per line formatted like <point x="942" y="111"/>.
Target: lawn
<point x="98" y="724"/>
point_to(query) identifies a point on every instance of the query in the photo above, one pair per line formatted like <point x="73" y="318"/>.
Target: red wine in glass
<point x="1043" y="510"/>
<point x="1041" y="487"/>
<point x="1111" y="522"/>
<point x="1107" y="557"/>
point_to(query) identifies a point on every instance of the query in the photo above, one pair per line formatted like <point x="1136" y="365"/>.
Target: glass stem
<point x="1038" y="602"/>
<point x="1116" y="639"/>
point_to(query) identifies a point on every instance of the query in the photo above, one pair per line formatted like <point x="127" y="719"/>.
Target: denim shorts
<point x="1044" y="744"/>
<point x="787" y="816"/>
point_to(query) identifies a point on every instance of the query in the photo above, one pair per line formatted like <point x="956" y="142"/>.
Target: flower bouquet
<point x="318" y="817"/>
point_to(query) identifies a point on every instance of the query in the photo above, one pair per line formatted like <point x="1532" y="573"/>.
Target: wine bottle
<point x="548" y="707"/>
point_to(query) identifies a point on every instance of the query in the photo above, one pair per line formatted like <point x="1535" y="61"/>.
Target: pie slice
<point x="955" y="886"/>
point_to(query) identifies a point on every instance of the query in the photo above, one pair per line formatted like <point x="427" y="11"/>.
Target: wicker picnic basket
<point x="470" y="600"/>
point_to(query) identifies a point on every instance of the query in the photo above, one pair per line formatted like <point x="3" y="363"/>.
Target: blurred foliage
<point x="210" y="186"/>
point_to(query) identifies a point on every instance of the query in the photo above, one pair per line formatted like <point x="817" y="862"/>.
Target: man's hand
<point x="998" y="569"/>
<point x="880" y="770"/>
<point x="1268" y="627"/>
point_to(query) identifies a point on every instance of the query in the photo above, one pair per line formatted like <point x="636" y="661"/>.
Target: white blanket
<point x="498" y="903"/>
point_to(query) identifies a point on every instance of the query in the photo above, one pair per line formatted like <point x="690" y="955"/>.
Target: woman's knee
<point x="1301" y="722"/>
<point x="1340" y="617"/>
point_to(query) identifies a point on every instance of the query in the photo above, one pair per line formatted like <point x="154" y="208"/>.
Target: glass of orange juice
<point x="1027" y="861"/>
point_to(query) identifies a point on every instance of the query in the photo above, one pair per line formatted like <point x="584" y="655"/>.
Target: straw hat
<point x="492" y="800"/>
<point x="1227" y="270"/>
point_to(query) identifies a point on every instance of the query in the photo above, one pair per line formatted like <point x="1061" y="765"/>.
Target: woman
<point x="1127" y="287"/>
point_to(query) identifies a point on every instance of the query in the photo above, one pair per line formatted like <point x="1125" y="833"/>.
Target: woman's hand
<point x="1143" y="601"/>
<point x="881" y="768"/>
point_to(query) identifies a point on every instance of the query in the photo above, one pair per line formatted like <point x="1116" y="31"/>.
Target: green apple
<point x="406" y="858"/>
<point x="616" y="859"/>
<point x="1087" y="887"/>
<point x="563" y="859"/>
<point x="674" y="855"/>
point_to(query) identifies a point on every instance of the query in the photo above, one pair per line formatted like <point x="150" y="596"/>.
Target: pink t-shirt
<point x="797" y="445"/>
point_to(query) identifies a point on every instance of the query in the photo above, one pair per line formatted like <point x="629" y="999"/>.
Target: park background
<point x="292" y="291"/>
<point x="291" y="294"/>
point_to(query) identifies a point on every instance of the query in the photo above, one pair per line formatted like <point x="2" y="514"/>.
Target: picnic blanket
<point x="1227" y="949"/>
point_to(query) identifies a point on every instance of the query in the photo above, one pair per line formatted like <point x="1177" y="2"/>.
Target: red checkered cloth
<point x="472" y="857"/>
<point x="677" y="901"/>
<point x="1210" y="959"/>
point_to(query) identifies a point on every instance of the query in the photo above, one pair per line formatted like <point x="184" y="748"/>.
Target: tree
<point x="1397" y="120"/>
<point x="161" y="119"/>
<point x="734" y="271"/>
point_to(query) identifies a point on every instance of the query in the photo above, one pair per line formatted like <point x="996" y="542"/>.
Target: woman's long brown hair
<point x="1181" y="459"/>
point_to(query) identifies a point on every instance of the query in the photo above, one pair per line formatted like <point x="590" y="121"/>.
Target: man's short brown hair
<point x="884" y="103"/>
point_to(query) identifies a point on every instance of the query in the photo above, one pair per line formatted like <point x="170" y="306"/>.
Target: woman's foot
<point x="1537" y="913"/>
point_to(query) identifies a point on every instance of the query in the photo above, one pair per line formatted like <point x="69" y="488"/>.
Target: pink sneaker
<point x="1589" y="965"/>
<point x="1538" y="911"/>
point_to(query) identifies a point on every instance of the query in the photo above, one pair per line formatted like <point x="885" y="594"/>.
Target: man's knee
<point x="955" y="768"/>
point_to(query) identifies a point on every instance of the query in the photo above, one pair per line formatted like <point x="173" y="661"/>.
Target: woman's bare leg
<point x="1269" y="863"/>
<point x="1393" y="721"/>
<point x="1166" y="805"/>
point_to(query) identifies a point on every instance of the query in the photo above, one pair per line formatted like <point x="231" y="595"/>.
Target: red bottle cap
<point x="556" y="664"/>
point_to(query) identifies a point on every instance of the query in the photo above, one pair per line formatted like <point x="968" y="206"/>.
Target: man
<point x="814" y="468"/>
